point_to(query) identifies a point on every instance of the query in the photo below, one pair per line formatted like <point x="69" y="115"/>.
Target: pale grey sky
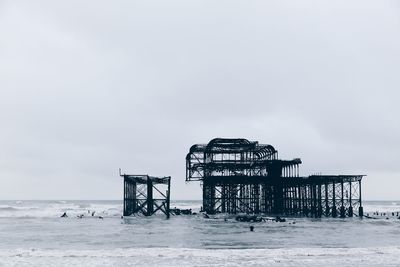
<point x="87" y="87"/>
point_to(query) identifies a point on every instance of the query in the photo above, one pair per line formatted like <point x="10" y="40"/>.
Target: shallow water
<point x="32" y="233"/>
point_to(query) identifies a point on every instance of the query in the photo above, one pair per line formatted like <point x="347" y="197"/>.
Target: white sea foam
<point x="33" y="234"/>
<point x="43" y="209"/>
<point x="377" y="256"/>
<point x="51" y="209"/>
<point x="114" y="208"/>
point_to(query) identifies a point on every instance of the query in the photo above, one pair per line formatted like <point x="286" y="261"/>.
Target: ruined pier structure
<point x="146" y="195"/>
<point x="241" y="176"/>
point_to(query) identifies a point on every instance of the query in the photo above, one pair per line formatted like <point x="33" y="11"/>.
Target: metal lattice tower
<point x="143" y="194"/>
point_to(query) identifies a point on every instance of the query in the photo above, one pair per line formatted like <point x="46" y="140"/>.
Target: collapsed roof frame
<point x="242" y="176"/>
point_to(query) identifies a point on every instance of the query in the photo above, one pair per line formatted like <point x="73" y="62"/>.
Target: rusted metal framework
<point x="143" y="194"/>
<point x="241" y="176"/>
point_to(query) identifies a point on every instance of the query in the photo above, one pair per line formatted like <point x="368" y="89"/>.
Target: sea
<point x="32" y="233"/>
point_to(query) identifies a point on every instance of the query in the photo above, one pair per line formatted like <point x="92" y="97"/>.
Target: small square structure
<point x="143" y="194"/>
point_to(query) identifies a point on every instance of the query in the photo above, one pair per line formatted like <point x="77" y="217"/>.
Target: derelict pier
<point x="241" y="176"/>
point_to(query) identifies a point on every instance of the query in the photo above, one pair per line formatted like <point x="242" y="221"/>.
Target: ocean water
<point x="33" y="234"/>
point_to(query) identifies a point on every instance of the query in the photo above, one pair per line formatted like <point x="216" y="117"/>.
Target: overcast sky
<point x="87" y="87"/>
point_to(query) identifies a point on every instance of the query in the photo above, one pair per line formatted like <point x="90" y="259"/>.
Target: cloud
<point x="86" y="88"/>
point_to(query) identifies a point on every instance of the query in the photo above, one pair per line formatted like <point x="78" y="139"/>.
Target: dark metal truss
<point x="241" y="176"/>
<point x="143" y="195"/>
